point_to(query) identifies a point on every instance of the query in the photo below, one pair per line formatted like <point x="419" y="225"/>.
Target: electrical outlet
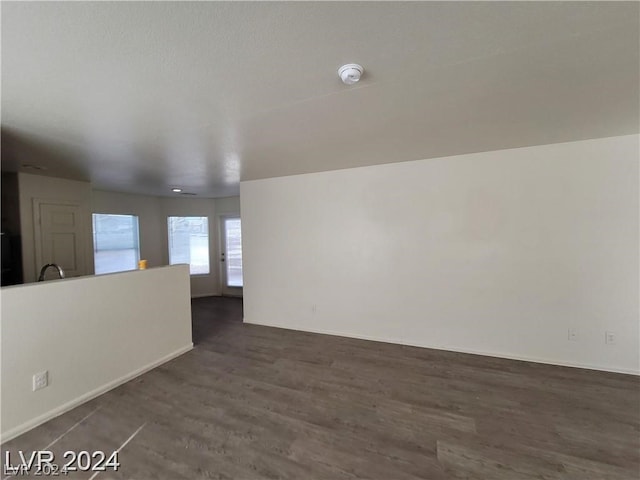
<point x="314" y="308"/>
<point x="40" y="380"/>
<point x="572" y="335"/>
<point x="610" y="338"/>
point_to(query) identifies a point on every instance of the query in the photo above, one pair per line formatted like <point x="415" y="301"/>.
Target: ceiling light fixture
<point x="350" y="73"/>
<point x="176" y="190"/>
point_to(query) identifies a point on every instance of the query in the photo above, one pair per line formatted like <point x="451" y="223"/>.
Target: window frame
<point x="208" y="244"/>
<point x="137" y="244"/>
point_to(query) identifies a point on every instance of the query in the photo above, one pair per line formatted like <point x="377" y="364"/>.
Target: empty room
<point x="320" y="240"/>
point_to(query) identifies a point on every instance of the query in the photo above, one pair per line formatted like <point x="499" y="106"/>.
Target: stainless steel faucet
<point x="44" y="269"/>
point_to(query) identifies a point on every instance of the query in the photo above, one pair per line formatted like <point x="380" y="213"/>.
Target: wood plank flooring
<point x="252" y="402"/>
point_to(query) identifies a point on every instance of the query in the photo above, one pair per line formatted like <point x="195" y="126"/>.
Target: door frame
<point x="225" y="290"/>
<point x="37" y="231"/>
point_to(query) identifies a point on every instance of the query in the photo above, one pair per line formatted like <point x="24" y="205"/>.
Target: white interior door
<point x="231" y="255"/>
<point x="59" y="235"/>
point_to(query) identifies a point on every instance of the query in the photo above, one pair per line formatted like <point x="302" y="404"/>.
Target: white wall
<point x="497" y="253"/>
<point x="228" y="206"/>
<point x="49" y="188"/>
<point x="119" y="326"/>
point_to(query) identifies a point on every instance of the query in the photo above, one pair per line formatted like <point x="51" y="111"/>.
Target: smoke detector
<point x="350" y="73"/>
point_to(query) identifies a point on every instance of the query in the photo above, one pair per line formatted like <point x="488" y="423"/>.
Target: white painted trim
<point x="507" y="356"/>
<point x="39" y="420"/>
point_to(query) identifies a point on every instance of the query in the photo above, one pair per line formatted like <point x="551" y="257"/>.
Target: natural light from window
<point x="116" y="244"/>
<point x="233" y="242"/>
<point x="189" y="243"/>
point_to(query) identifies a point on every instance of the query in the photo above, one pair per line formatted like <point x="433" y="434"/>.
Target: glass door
<point x="231" y="255"/>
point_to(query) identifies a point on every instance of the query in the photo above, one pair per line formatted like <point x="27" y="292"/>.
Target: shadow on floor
<point x="210" y="314"/>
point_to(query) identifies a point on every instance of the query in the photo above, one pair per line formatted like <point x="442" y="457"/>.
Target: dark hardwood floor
<point x="252" y="402"/>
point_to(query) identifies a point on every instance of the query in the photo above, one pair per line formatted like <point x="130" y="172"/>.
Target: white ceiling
<point x="140" y="97"/>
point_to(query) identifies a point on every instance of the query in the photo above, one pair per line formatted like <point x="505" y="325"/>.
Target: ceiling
<point x="143" y="96"/>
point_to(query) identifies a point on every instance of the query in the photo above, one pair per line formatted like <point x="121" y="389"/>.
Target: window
<point x="116" y="244"/>
<point x="189" y="243"/>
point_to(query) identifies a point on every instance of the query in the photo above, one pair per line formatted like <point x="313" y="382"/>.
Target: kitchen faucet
<point x="44" y="269"/>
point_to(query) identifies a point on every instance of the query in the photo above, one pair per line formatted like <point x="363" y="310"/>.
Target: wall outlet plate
<point x="40" y="380"/>
<point x="572" y="335"/>
<point x="610" y="338"/>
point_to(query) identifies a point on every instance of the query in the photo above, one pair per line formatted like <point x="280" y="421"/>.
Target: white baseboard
<point x="45" y="417"/>
<point x="508" y="356"/>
